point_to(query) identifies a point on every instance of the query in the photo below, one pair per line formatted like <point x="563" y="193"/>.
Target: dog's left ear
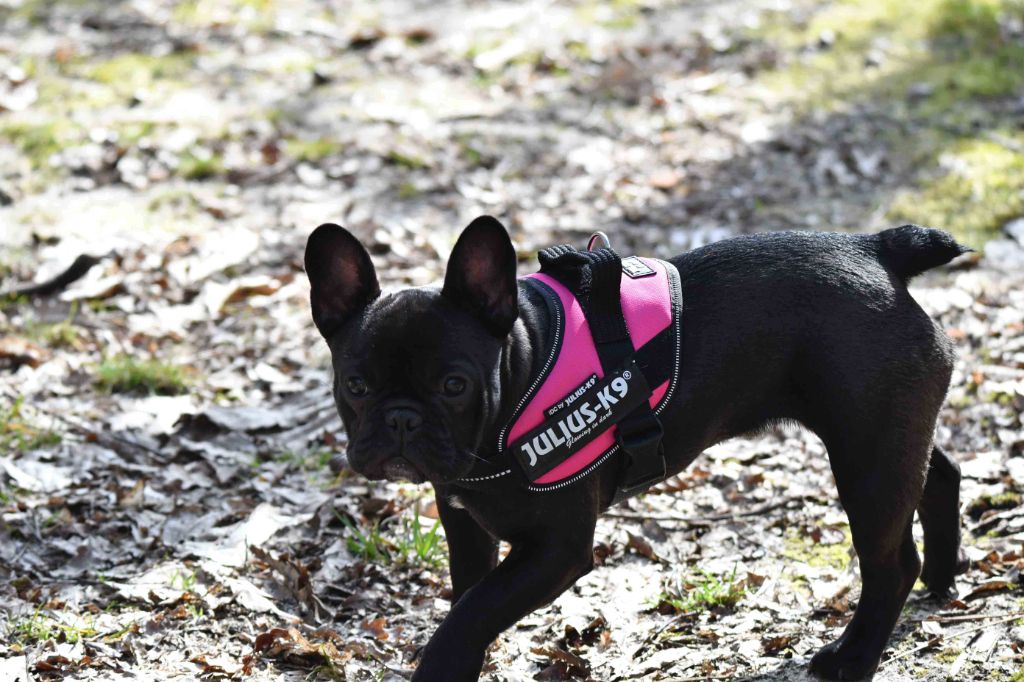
<point x="481" y="275"/>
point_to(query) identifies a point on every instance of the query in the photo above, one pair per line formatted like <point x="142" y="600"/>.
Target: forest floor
<point x="173" y="497"/>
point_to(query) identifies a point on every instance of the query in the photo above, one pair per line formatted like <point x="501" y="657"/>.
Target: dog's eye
<point x="356" y="386"/>
<point x="454" y="385"/>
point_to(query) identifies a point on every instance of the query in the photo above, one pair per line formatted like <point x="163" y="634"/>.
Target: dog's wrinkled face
<point x="416" y="373"/>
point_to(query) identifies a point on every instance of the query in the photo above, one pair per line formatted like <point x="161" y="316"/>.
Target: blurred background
<point x="161" y="164"/>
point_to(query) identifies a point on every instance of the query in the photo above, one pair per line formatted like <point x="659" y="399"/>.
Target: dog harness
<point x="610" y="369"/>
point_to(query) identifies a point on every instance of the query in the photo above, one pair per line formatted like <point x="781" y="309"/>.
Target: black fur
<point x="813" y="327"/>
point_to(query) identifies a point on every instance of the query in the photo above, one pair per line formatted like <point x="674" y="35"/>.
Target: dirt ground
<point x="174" y="501"/>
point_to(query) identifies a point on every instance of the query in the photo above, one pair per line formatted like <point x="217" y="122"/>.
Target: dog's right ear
<point x="341" y="275"/>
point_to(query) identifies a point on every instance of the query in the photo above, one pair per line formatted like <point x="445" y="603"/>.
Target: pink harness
<point x="564" y="400"/>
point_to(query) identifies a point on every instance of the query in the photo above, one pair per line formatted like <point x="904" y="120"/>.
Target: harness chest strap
<point x="613" y="340"/>
<point x="595" y="276"/>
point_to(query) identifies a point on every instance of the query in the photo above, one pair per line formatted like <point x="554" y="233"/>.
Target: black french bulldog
<point x="817" y="328"/>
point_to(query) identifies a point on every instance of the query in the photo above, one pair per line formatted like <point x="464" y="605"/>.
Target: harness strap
<point x="595" y="278"/>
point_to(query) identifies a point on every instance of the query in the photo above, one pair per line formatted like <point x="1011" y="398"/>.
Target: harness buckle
<point x="639" y="438"/>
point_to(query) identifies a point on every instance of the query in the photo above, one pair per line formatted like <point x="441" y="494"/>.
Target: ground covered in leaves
<point x="173" y="496"/>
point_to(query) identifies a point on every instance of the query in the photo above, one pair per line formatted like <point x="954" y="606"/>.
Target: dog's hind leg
<point x="879" y="487"/>
<point x="939" y="511"/>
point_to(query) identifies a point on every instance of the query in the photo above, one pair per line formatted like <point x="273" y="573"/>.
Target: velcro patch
<point x="584" y="414"/>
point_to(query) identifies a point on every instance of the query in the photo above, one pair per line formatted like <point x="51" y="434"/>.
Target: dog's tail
<point x="909" y="250"/>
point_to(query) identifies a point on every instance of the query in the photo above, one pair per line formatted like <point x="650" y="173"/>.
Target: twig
<point x="51" y="286"/>
<point x="634" y="516"/>
<point x="932" y="641"/>
<point x="960" y="619"/>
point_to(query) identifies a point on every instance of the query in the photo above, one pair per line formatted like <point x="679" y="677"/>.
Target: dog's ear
<point x="341" y="276"/>
<point x="481" y="275"/>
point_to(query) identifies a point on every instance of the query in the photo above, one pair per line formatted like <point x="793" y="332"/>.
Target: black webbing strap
<point x="594" y="277"/>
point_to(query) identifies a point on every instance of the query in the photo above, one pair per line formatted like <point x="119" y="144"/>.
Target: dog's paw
<point x="834" y="662"/>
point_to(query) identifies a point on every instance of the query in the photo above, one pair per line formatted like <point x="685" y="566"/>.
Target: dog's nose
<point x="403" y="420"/>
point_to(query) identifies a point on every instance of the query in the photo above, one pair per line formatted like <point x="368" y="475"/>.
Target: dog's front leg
<point x="535" y="572"/>
<point x="472" y="551"/>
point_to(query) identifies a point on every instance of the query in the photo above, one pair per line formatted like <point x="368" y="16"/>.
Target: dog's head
<point x="417" y="372"/>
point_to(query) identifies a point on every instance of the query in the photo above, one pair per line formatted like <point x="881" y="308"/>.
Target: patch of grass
<point x="40" y="627"/>
<point x="126" y="374"/>
<point x="309" y="460"/>
<point x="63" y="334"/>
<point x="935" y="67"/>
<point x="977" y="194"/>
<point x="18" y="434"/>
<point x="415" y="546"/>
<point x="368" y="545"/>
<point x="885" y="46"/>
<point x="183" y="580"/>
<point x="408" y="544"/>
<point x="703" y="591"/>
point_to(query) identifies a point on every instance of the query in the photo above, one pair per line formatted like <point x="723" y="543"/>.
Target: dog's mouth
<point x="401" y="469"/>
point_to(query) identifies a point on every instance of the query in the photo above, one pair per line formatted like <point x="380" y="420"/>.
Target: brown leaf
<point x="52" y="663"/>
<point x="988" y="587"/>
<point x="376" y="627"/>
<point x="575" y="664"/>
<point x="296" y="579"/>
<point x="641" y="547"/>
<point x="772" y="645"/>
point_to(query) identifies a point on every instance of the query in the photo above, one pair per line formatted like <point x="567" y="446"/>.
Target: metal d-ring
<point x="605" y="242"/>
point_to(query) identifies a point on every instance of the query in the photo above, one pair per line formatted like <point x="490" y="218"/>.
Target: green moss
<point x="621" y="14"/>
<point x="974" y="198"/>
<point x="407" y="160"/>
<point x="39" y="141"/>
<point x="948" y="655"/>
<point x="407" y="190"/>
<point x="132" y="71"/>
<point x="1006" y="500"/>
<point x="312" y="150"/>
<point x="253" y="14"/>
<point x="803" y="549"/>
<point x="126" y="374"/>
<point x="196" y="166"/>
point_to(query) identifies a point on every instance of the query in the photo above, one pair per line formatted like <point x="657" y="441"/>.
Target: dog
<point x="810" y="327"/>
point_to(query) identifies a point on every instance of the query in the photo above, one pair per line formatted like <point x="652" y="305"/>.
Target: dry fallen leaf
<point x="15" y="352"/>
